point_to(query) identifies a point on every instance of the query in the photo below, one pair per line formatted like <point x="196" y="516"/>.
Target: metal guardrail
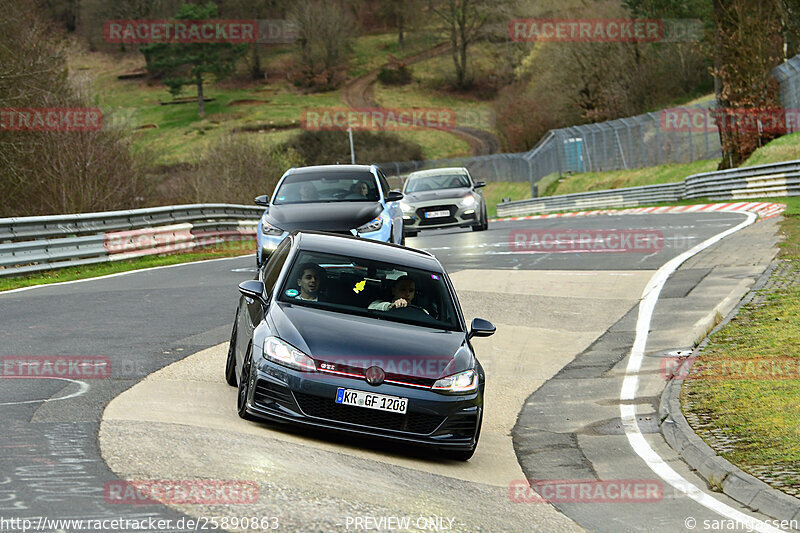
<point x="776" y="179"/>
<point x="31" y="244"/>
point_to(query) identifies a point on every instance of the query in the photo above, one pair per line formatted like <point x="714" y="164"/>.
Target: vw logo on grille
<point x="375" y="375"/>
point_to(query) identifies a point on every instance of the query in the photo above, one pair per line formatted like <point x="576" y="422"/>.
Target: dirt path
<point x="360" y="93"/>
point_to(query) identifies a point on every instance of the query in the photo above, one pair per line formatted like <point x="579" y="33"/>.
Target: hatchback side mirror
<point x="394" y="196"/>
<point x="262" y="200"/>
<point x="481" y="328"/>
<point x="479" y="184"/>
<point x="253" y="289"/>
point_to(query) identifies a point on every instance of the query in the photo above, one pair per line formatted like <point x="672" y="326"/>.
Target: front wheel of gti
<point x="230" y="363"/>
<point x="244" y="386"/>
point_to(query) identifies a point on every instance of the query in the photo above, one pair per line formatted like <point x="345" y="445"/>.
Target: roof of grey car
<point x="448" y="171"/>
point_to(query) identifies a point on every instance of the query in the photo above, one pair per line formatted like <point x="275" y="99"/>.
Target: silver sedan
<point x="442" y="198"/>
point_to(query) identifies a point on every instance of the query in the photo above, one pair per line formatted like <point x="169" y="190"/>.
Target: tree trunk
<point x="255" y="63"/>
<point x="400" y="28"/>
<point x="725" y="142"/>
<point x="401" y="21"/>
<point x="201" y="104"/>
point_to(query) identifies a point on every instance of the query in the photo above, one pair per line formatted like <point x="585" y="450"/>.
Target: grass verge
<point x="495" y="191"/>
<point x="745" y="385"/>
<point x="616" y="179"/>
<point x="228" y="249"/>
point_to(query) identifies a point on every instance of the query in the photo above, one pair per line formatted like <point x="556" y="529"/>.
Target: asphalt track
<point x="561" y="316"/>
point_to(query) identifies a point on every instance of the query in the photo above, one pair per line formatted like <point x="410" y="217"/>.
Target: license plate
<point x="437" y="214"/>
<point x="381" y="402"/>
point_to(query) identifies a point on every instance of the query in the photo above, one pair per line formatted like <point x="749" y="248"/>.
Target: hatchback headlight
<point x="406" y="206"/>
<point x="269" y="229"/>
<point x="468" y="200"/>
<point x="373" y="225"/>
<point x="283" y="353"/>
<point x="461" y="383"/>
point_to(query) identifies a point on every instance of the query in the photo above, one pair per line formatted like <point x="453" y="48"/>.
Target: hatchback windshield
<point x="371" y="288"/>
<point x="327" y="187"/>
<point x="432" y="183"/>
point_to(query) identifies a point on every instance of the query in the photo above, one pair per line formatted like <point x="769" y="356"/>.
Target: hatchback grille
<point x="319" y="407"/>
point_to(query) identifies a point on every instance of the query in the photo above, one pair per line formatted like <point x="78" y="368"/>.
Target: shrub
<point x="328" y="147"/>
<point x="395" y="76"/>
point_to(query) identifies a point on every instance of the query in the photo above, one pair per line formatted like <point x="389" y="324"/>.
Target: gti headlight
<point x="461" y="383"/>
<point x="373" y="225"/>
<point x="405" y="206"/>
<point x="269" y="229"/>
<point x="283" y="353"/>
<point x="468" y="200"/>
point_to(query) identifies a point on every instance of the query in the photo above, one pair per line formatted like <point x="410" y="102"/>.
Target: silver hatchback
<point x="442" y="198"/>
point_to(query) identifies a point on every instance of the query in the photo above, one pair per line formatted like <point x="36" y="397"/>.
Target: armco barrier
<point x="773" y="180"/>
<point x="30" y="244"/>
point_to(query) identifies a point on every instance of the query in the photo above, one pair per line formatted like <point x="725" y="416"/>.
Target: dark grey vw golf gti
<point x="359" y="336"/>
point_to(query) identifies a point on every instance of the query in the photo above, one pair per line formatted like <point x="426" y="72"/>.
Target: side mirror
<point x="394" y="196"/>
<point x="253" y="289"/>
<point x="479" y="184"/>
<point x="481" y="328"/>
<point x="262" y="200"/>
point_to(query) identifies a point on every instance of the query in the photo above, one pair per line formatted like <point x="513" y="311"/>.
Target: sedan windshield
<point x="370" y="288"/>
<point x="327" y="187"/>
<point x="432" y="183"/>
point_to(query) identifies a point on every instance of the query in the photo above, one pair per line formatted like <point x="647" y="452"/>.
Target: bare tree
<point x="44" y="172"/>
<point x="254" y="9"/>
<point x="465" y="22"/>
<point x="325" y="31"/>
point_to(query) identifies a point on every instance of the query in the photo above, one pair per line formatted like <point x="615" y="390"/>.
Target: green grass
<point x="495" y="191"/>
<point x="784" y="148"/>
<point x="372" y="51"/>
<point x="616" y="179"/>
<point x="175" y="133"/>
<point x="229" y="249"/>
<point x="758" y="410"/>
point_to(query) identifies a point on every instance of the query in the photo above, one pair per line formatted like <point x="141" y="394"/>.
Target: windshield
<point x="327" y="187"/>
<point x="370" y="288"/>
<point x="435" y="182"/>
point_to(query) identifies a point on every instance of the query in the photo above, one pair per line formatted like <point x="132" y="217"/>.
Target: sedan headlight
<point x="269" y="229"/>
<point x="461" y="383"/>
<point x="373" y="225"/>
<point x="468" y="200"/>
<point x="283" y="353"/>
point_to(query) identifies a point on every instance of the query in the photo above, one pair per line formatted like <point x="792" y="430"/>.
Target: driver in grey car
<point x="403" y="290"/>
